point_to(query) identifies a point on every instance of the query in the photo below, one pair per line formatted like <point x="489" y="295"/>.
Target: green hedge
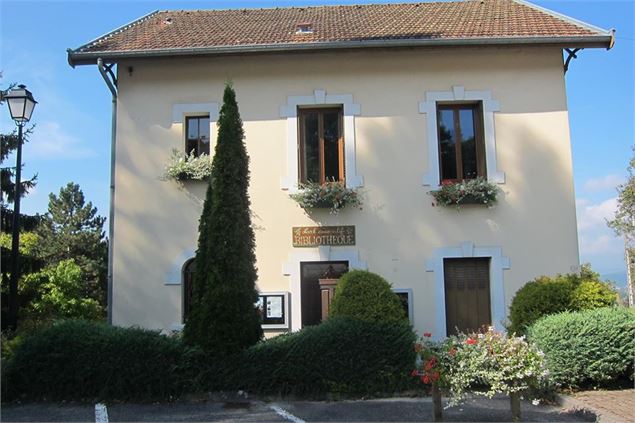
<point x="367" y="296"/>
<point x="80" y="360"/>
<point x="340" y="356"/>
<point x="549" y="295"/>
<point x="587" y="348"/>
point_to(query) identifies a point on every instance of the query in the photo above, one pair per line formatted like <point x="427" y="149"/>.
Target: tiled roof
<point x="333" y="26"/>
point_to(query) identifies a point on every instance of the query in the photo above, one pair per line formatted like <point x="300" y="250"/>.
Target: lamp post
<point x="21" y="105"/>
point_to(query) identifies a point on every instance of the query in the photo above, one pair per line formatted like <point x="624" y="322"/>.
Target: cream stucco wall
<point x="398" y="230"/>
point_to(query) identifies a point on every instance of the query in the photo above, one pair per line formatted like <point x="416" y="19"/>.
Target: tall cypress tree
<point x="223" y="319"/>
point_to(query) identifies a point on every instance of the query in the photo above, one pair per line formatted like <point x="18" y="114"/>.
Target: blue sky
<point x="71" y="141"/>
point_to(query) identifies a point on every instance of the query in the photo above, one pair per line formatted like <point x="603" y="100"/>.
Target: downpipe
<point x="111" y="216"/>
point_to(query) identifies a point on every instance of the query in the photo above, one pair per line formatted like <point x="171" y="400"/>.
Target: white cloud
<point x="608" y="182"/>
<point x="598" y="243"/>
<point x="51" y="141"/>
<point x="594" y="216"/>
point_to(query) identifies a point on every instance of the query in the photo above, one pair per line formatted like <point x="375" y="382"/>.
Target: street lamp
<point x="21" y="105"/>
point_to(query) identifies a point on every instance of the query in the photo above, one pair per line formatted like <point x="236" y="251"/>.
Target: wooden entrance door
<point x="311" y="295"/>
<point x="467" y="294"/>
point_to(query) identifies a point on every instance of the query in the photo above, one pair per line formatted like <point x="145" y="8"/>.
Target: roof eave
<point x="76" y="57"/>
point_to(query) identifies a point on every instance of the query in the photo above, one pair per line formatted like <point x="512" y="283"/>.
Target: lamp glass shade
<point x="21" y="104"/>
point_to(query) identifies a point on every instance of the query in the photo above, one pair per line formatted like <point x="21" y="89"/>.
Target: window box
<point x="331" y="195"/>
<point x="188" y="167"/>
<point x="471" y="191"/>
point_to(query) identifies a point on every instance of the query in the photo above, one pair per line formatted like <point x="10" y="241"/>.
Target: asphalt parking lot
<point x="384" y="410"/>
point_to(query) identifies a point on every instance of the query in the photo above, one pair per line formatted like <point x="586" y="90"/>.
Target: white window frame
<point x="408" y="291"/>
<point x="324" y="253"/>
<point x="322" y="99"/>
<point x="498" y="263"/>
<point x="432" y="176"/>
<point x="181" y="111"/>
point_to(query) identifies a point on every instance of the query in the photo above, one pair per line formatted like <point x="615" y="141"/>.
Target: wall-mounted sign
<point x="314" y="236"/>
<point x="273" y="308"/>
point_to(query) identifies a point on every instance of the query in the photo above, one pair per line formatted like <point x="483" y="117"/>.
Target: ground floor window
<point x="189" y="269"/>
<point x="405" y="297"/>
<point x="467" y="294"/>
<point x="314" y="297"/>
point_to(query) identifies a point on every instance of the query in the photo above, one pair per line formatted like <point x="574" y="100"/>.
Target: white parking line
<point x="101" y="413"/>
<point x="286" y="415"/>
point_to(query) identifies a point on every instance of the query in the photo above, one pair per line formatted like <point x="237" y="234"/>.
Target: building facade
<point x="393" y="121"/>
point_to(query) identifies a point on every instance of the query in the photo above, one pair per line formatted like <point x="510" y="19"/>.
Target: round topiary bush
<point x="587" y="348"/>
<point x="538" y="298"/>
<point x="366" y="296"/>
<point x="550" y="295"/>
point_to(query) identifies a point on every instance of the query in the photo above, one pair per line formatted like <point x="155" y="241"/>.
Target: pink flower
<point x="470" y="341"/>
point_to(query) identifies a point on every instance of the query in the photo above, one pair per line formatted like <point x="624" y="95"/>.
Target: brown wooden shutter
<point x="467" y="294"/>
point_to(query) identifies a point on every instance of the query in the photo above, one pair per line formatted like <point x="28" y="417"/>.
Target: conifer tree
<point x="223" y="318"/>
<point x="72" y="229"/>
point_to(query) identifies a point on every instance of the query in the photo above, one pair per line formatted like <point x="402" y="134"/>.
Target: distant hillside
<point x="619" y="278"/>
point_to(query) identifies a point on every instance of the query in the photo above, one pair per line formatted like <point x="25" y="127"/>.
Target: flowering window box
<point x="470" y="191"/>
<point x="188" y="167"/>
<point x="331" y="195"/>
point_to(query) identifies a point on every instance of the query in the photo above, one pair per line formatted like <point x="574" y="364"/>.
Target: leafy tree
<point x="72" y="230"/>
<point x="60" y="293"/>
<point x="624" y="224"/>
<point x="223" y="318"/>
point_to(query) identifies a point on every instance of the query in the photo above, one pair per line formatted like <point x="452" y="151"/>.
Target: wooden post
<point x="514" y="398"/>
<point x="436" y="403"/>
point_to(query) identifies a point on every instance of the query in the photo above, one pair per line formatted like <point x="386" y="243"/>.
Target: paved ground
<point x="610" y="406"/>
<point x="386" y="410"/>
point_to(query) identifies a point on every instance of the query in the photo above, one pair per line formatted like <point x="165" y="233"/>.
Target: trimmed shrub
<point x="587" y="348"/>
<point x="340" y="356"/>
<point x="80" y="360"/>
<point x="366" y="296"/>
<point x="549" y="295"/>
<point x="592" y="294"/>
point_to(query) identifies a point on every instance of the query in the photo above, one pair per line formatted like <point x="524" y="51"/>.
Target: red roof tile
<point x="339" y="26"/>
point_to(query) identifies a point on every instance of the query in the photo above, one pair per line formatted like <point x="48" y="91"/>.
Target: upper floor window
<point x="197" y="135"/>
<point x="461" y="146"/>
<point x="321" y="146"/>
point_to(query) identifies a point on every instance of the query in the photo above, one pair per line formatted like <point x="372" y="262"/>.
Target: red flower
<point x="425" y="379"/>
<point x="414" y="373"/>
<point x="427" y="334"/>
<point x="429" y="365"/>
<point x="470" y="341"/>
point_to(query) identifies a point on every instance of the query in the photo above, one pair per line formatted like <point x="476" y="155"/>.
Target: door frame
<point x="498" y="263"/>
<point x="291" y="268"/>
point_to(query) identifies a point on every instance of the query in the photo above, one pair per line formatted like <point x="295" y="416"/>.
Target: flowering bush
<point x="485" y="364"/>
<point x="182" y="167"/>
<point x="332" y="195"/>
<point x="489" y="363"/>
<point x="434" y="360"/>
<point x="469" y="191"/>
